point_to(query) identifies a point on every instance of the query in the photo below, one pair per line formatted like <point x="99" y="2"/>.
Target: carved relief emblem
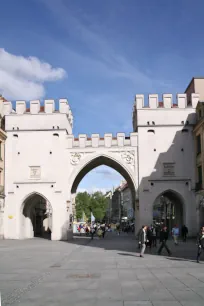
<point x="35" y="172"/>
<point x="75" y="158"/>
<point x="128" y="157"/>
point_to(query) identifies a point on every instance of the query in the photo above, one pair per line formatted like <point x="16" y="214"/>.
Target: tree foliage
<point x="87" y="203"/>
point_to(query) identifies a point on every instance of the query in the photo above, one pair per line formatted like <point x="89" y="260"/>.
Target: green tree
<point x="83" y="204"/>
<point x="95" y="203"/>
<point x="98" y="205"/>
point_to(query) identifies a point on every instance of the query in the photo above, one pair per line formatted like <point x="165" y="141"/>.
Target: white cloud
<point x="23" y="78"/>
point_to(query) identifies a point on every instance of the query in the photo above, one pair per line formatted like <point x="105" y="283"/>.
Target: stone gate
<point x="43" y="159"/>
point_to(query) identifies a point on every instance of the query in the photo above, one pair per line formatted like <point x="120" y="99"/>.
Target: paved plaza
<point x="100" y="272"/>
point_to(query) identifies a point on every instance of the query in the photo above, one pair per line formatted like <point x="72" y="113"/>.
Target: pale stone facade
<point x="196" y="85"/>
<point x="199" y="169"/>
<point x="166" y="156"/>
<point x="43" y="158"/>
<point x="2" y="172"/>
<point x="44" y="163"/>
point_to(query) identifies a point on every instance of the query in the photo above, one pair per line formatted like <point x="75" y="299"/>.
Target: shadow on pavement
<point x="127" y="245"/>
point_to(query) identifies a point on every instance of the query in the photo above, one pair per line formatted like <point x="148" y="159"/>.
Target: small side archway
<point x="96" y="161"/>
<point x="169" y="209"/>
<point x="36" y="217"/>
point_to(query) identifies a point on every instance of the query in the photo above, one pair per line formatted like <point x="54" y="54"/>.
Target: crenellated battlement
<point x="168" y="112"/>
<point x="35" y="108"/>
<point x="167" y="102"/>
<point x="95" y="141"/>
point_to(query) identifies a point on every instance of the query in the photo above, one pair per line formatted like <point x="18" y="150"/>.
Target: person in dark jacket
<point x="164" y="235"/>
<point x="184" y="232"/>
<point x="154" y="236"/>
<point x="200" y="243"/>
<point x="103" y="228"/>
<point x="149" y="237"/>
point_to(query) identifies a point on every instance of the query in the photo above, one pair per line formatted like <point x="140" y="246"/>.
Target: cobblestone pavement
<point x="105" y="272"/>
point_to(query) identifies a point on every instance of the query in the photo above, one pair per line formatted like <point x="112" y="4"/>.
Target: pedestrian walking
<point x="149" y="237"/>
<point x="164" y="235"/>
<point x="103" y="228"/>
<point x="154" y="237"/>
<point x="143" y="240"/>
<point x="138" y="237"/>
<point x="99" y="232"/>
<point x="118" y="228"/>
<point x="175" y="234"/>
<point x="200" y="243"/>
<point x="184" y="232"/>
<point x="92" y="231"/>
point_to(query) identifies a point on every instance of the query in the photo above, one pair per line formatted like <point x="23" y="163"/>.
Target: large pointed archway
<point x="96" y="161"/>
<point x="36" y="217"/>
<point x="169" y="209"/>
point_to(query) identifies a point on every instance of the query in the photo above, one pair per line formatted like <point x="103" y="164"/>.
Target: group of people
<point x="148" y="236"/>
<point x="93" y="229"/>
<point x="128" y="228"/>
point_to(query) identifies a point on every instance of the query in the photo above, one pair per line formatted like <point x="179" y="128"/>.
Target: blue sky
<point x="100" y="54"/>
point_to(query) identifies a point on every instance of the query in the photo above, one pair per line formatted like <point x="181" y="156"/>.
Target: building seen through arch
<point x="121" y="199"/>
<point x="168" y="210"/>
<point x="37" y="217"/>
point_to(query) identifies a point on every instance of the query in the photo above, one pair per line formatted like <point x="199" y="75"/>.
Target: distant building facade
<point x="126" y="202"/>
<point x="109" y="196"/>
<point x="116" y="205"/>
<point x="122" y="207"/>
